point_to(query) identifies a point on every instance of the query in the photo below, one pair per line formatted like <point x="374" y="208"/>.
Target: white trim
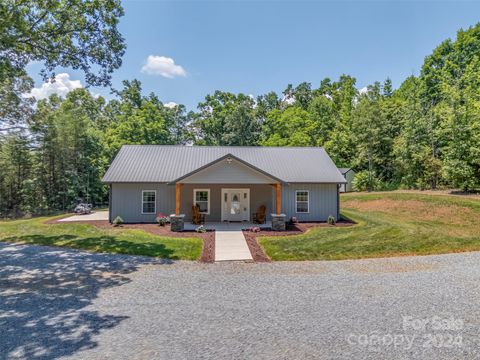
<point x="308" y="202"/>
<point x="223" y="205"/>
<point x="208" y="201"/>
<point x="154" y="203"/>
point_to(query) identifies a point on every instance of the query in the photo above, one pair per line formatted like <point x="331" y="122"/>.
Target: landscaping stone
<point x="177" y="222"/>
<point x="278" y="222"/>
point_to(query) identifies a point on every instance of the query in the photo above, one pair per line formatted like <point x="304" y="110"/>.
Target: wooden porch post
<point x="178" y="188"/>
<point x="278" y="190"/>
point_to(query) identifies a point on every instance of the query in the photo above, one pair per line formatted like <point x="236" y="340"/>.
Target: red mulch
<point x="208" y="238"/>
<point x="256" y="250"/>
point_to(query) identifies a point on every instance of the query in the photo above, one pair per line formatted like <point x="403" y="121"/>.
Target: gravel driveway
<point x="57" y="303"/>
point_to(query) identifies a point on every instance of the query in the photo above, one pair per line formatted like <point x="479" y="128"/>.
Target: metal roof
<point x="166" y="163"/>
<point x="344" y="170"/>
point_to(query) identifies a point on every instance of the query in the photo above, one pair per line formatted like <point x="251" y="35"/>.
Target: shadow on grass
<point x="104" y="243"/>
<point x="44" y="293"/>
<point x="347" y="219"/>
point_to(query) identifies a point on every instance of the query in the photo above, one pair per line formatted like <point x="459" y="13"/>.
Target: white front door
<point x="235" y="204"/>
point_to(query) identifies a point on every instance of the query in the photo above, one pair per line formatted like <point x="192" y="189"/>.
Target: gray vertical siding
<point x="323" y="201"/>
<point x="349" y="176"/>
<point x="126" y="200"/>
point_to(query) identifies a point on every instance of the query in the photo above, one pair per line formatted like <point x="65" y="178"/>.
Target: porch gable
<point x="228" y="170"/>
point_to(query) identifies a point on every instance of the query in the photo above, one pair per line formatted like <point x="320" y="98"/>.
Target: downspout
<point x="110" y="203"/>
<point x="338" y="202"/>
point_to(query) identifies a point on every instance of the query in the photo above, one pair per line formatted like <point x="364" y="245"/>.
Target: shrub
<point x="201" y="229"/>
<point x="331" y="220"/>
<point x="363" y="181"/>
<point x="117" y="221"/>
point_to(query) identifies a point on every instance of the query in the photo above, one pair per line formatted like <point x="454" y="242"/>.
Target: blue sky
<point x="258" y="46"/>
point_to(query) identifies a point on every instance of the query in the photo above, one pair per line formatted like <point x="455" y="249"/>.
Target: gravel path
<point x="57" y="303"/>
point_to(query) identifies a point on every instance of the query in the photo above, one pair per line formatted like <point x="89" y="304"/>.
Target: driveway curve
<point x="58" y="303"/>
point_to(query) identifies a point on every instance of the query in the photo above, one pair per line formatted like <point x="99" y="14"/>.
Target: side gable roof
<point x="168" y="163"/>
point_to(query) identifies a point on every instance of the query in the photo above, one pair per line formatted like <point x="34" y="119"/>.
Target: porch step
<point x="231" y="246"/>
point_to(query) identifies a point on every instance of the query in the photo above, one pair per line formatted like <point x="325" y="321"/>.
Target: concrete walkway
<point x="230" y="246"/>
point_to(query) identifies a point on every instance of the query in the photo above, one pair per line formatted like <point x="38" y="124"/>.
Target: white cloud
<point x="170" y="105"/>
<point x="164" y="66"/>
<point x="61" y="86"/>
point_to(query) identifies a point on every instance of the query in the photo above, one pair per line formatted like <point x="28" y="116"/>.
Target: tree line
<point x="53" y="153"/>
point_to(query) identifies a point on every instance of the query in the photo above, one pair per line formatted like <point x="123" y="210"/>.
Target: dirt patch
<point x="414" y="210"/>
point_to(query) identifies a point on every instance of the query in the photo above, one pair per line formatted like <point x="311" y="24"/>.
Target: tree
<point x="368" y="130"/>
<point x="69" y="33"/>
<point x="69" y="151"/>
<point x="343" y="93"/>
<point x="137" y="119"/>
<point x="15" y="175"/>
<point x="15" y="109"/>
<point x="292" y="127"/>
<point x="228" y="119"/>
<point x="323" y="114"/>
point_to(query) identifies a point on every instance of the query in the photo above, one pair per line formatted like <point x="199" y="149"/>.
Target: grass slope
<point x="389" y="224"/>
<point x="89" y="237"/>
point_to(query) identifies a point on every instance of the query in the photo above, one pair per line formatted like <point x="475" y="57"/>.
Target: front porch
<point x="227" y="226"/>
<point x="227" y="194"/>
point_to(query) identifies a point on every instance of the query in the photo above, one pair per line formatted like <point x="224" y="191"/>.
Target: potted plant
<point x="162" y="219"/>
<point x="254" y="229"/>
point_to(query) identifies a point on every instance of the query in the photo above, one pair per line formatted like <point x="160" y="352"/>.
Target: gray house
<point x="349" y="175"/>
<point x="227" y="183"/>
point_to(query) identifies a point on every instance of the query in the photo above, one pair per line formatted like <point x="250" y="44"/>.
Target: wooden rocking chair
<point x="197" y="217"/>
<point x="259" y="216"/>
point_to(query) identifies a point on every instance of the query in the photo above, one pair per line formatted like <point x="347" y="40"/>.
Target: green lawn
<point x="89" y="237"/>
<point x="389" y="224"/>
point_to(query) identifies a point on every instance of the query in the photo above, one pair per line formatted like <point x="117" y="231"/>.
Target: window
<point x="201" y="197"/>
<point x="148" y="201"/>
<point x="301" y="201"/>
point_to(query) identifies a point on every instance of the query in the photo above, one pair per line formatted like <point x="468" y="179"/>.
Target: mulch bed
<point x="208" y="238"/>
<point x="295" y="229"/>
<point x="256" y="250"/>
